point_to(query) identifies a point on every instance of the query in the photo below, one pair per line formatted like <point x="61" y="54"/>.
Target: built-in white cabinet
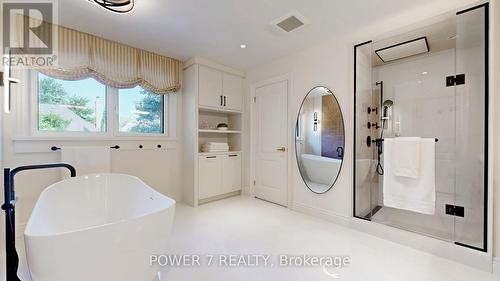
<point x="210" y="176"/>
<point x="212" y="94"/>
<point x="210" y="87"/>
<point x="218" y="175"/>
<point x="232" y="87"/>
<point x="219" y="89"/>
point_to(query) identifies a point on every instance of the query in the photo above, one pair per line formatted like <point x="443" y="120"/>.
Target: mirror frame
<point x="295" y="139"/>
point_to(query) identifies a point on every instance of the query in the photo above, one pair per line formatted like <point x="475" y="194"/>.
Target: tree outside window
<point x="71" y="105"/>
<point x="140" y="111"/>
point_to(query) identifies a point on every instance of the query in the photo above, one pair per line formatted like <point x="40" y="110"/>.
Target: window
<point x="88" y="108"/>
<point x="71" y="106"/>
<point x="140" y="111"/>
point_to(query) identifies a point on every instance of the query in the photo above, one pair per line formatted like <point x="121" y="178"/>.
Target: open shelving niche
<point x="207" y="132"/>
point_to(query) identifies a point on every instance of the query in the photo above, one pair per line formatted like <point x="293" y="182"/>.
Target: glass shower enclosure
<point x="430" y="83"/>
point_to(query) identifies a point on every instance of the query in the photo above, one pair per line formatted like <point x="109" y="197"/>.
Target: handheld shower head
<point x="386" y="105"/>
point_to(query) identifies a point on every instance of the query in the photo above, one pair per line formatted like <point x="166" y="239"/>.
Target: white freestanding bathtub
<point x="321" y="170"/>
<point x="101" y="227"/>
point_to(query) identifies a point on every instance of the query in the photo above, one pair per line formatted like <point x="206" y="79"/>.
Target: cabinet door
<point x="231" y="173"/>
<point x="232" y="87"/>
<point x="210" y="87"/>
<point x="210" y="176"/>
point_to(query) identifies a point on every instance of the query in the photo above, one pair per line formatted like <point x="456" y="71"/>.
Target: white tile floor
<point x="243" y="225"/>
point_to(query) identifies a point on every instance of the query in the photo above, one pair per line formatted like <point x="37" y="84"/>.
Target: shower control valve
<point x="374" y="109"/>
<point x="375" y="125"/>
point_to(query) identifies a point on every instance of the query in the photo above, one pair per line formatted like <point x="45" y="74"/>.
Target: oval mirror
<point x="319" y="139"/>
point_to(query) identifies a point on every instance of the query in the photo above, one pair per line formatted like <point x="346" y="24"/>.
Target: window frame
<point x="112" y="118"/>
<point x="165" y="120"/>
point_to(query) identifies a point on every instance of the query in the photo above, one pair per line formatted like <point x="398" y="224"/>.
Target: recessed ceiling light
<point x="243" y="46"/>
<point x="424" y="73"/>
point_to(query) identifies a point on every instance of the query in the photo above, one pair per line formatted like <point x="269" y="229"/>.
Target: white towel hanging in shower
<point x="406" y="157"/>
<point x="417" y="195"/>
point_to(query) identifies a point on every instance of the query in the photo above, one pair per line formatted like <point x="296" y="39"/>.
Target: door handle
<point x="282" y="149"/>
<point x="224" y="100"/>
<point x="221" y="100"/>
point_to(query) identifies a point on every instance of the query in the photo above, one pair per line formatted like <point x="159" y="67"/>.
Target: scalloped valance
<point x="81" y="55"/>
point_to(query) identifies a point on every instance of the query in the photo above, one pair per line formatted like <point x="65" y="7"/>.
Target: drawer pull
<point x="233" y="155"/>
<point x="211" y="157"/>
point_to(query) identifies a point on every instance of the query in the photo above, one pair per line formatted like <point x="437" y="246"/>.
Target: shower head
<point x="386" y="105"/>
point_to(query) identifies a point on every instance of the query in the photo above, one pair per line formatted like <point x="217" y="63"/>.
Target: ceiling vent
<point x="290" y="22"/>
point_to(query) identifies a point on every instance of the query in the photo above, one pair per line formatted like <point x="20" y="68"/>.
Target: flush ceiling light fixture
<point x="403" y="50"/>
<point x="243" y="46"/>
<point x="116" y="6"/>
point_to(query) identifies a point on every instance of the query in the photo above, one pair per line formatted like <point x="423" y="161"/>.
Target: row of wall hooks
<point x="55" y="148"/>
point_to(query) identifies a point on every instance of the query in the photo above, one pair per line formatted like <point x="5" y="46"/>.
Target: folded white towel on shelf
<point x="417" y="195"/>
<point x="216" y="143"/>
<point x="215" y="147"/>
<point x="215" y="150"/>
<point x="406" y="157"/>
<point x="223" y="144"/>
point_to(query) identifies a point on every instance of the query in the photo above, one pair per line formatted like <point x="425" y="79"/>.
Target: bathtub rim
<point x="297" y="156"/>
<point x="28" y="224"/>
<point x="319" y="157"/>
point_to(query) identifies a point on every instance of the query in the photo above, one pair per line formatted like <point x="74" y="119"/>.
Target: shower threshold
<point x="372" y="212"/>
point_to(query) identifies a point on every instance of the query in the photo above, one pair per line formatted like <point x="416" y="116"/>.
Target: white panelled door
<point x="271" y="139"/>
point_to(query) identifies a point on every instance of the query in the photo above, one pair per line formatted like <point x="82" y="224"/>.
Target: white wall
<point x="159" y="168"/>
<point x="311" y="68"/>
<point x="494" y="131"/>
<point x="331" y="65"/>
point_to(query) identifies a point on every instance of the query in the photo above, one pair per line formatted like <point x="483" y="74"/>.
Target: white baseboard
<point x="496" y="265"/>
<point x="316" y="212"/>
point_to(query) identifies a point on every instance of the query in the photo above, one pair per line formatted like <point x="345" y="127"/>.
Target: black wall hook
<point x="54" y="148"/>
<point x="115" y="147"/>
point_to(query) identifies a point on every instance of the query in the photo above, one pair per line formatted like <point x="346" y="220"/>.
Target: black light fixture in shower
<point x="116" y="6"/>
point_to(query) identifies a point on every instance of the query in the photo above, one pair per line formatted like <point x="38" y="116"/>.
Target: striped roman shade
<point x="81" y="55"/>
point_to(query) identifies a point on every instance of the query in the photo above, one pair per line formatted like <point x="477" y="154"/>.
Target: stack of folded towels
<point x="215" y="147"/>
